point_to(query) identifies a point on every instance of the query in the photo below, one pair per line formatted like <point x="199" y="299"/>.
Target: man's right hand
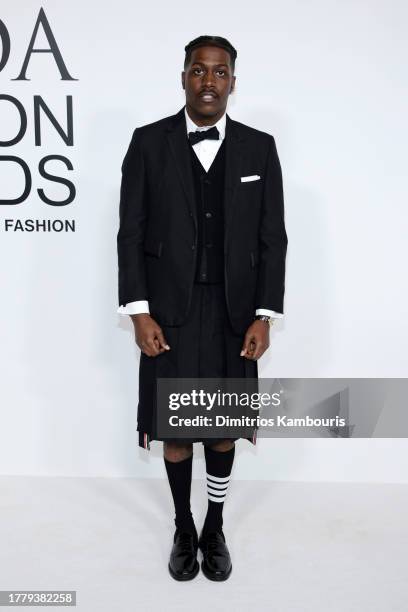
<point x="149" y="335"/>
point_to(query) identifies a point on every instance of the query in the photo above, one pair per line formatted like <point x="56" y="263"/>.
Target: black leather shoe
<point x="216" y="563"/>
<point x="183" y="564"/>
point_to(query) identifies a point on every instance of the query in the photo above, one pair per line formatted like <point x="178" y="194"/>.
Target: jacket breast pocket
<point x="250" y="191"/>
<point x="251" y="182"/>
<point x="153" y="247"/>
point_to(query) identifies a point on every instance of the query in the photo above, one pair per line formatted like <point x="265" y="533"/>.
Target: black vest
<point x="209" y="191"/>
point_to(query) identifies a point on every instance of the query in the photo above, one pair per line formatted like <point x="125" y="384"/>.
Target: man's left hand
<point x="256" y="340"/>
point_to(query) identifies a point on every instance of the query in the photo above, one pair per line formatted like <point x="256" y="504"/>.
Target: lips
<point x="208" y="96"/>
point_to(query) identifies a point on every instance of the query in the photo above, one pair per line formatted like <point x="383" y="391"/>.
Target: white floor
<point x="294" y="546"/>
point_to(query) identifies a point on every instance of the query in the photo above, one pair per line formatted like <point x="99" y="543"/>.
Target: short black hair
<point x="216" y="41"/>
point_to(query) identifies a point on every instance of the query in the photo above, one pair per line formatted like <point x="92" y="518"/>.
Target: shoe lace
<point x="185" y="541"/>
<point x="213" y="540"/>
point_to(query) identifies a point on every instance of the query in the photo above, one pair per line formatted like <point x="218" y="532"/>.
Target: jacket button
<point x="208" y="215"/>
<point x="193" y="247"/>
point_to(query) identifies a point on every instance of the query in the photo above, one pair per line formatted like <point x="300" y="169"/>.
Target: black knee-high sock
<point x="179" y="475"/>
<point x="218" y="466"/>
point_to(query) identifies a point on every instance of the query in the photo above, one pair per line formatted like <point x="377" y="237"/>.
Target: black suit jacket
<point x="157" y="237"/>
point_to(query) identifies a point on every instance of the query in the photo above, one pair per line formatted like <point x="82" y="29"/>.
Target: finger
<point x="158" y="346"/>
<point x="151" y="347"/>
<point x="250" y="351"/>
<point x="246" y="346"/>
<point x="259" y="350"/>
<point x="145" y="349"/>
<point x="250" y="347"/>
<point x="162" y="341"/>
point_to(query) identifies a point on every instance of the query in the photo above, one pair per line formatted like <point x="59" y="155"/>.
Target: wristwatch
<point x="266" y="318"/>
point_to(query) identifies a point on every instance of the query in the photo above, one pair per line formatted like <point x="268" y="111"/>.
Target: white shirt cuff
<point x="139" y="307"/>
<point x="269" y="313"/>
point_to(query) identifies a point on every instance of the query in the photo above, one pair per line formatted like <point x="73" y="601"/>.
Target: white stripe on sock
<point x="216" y="499"/>
<point x="218" y="478"/>
<point x="216" y="491"/>
<point x="216" y="485"/>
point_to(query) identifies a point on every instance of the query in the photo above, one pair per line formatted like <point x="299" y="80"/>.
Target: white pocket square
<point x="252" y="177"/>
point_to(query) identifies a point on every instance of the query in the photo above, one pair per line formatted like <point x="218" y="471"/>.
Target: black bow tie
<point x="198" y="135"/>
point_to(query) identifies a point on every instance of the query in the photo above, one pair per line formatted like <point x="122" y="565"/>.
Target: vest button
<point x="207" y="181"/>
<point x="192" y="247"/>
<point x="209" y="245"/>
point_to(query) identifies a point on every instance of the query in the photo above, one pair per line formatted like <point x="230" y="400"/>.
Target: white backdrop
<point x="328" y="80"/>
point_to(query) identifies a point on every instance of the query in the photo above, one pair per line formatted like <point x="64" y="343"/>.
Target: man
<point x="201" y="251"/>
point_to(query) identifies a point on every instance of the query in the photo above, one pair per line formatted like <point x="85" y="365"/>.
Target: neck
<point x="202" y="120"/>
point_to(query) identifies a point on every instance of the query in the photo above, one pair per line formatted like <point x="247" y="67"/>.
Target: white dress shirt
<point x="206" y="151"/>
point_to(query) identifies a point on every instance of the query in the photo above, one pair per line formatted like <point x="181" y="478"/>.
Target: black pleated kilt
<point x="206" y="346"/>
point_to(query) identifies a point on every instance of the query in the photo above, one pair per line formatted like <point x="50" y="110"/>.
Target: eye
<point x="195" y="70"/>
<point x="220" y="70"/>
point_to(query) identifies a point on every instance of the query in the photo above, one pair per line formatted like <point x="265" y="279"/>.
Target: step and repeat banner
<point x="329" y="82"/>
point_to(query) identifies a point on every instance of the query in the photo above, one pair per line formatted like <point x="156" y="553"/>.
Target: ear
<point x="183" y="79"/>
<point x="232" y="89"/>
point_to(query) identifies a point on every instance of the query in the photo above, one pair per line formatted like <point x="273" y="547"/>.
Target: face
<point x="208" y="81"/>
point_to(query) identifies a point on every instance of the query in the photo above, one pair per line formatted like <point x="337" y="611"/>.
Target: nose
<point x="208" y="80"/>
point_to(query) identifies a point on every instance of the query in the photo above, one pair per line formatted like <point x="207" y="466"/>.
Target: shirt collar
<point x="192" y="127"/>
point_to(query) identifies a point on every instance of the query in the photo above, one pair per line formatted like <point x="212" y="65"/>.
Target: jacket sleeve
<point x="272" y="238"/>
<point x="132" y="223"/>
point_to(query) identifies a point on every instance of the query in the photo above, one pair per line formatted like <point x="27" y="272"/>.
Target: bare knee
<point x="223" y="445"/>
<point x="173" y="451"/>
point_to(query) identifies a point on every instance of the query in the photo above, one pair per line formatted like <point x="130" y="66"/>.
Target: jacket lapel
<point x="234" y="142"/>
<point x="179" y="146"/>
